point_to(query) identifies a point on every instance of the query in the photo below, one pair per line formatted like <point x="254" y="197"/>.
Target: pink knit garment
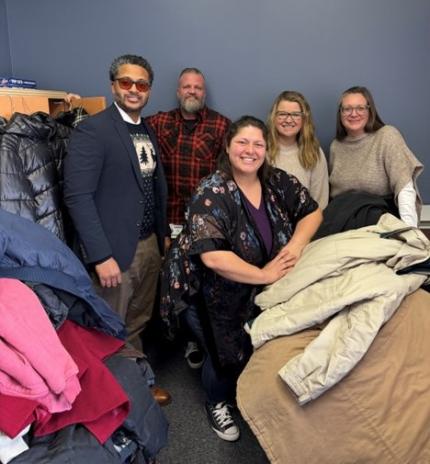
<point x="33" y="361"/>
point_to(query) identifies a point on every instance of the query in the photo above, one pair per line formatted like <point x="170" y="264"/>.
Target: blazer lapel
<point x="125" y="138"/>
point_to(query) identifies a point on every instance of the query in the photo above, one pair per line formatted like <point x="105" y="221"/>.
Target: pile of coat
<point x="66" y="392"/>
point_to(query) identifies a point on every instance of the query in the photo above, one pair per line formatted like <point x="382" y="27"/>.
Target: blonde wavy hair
<point x="309" y="146"/>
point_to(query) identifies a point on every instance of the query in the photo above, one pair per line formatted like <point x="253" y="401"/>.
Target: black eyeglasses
<point x="126" y="83"/>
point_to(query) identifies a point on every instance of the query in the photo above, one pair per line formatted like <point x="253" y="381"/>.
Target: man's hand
<point x="108" y="273"/>
<point x="167" y="243"/>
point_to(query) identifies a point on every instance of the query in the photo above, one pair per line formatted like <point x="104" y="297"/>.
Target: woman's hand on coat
<point x="292" y="252"/>
<point x="278" y="266"/>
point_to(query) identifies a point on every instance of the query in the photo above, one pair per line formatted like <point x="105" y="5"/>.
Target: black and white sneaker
<point x="194" y="355"/>
<point x="222" y="422"/>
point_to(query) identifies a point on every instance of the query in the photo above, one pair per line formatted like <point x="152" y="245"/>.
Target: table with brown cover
<point x="379" y="413"/>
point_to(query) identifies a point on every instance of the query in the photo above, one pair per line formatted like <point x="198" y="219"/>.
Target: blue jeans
<point x="218" y="387"/>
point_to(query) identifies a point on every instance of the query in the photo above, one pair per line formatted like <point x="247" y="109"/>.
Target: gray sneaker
<point x="194" y="355"/>
<point x="222" y="422"/>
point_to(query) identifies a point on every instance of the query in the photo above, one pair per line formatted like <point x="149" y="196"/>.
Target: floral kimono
<point x="218" y="219"/>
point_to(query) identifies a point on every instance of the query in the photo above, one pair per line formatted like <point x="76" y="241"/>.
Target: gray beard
<point x="192" y="105"/>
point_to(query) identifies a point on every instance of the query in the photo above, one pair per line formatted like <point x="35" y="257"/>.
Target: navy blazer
<point x="103" y="188"/>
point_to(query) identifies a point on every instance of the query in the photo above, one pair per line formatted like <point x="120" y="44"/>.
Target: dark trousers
<point x="217" y="386"/>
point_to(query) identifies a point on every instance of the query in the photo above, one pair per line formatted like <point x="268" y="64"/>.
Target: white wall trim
<point x="425" y="216"/>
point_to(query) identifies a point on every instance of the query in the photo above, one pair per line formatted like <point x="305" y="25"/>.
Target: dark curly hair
<point x="130" y="59"/>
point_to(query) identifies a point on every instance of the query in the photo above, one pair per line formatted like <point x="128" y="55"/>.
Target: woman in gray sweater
<point x="371" y="157"/>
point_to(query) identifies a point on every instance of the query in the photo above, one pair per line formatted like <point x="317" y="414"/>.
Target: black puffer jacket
<point x="32" y="149"/>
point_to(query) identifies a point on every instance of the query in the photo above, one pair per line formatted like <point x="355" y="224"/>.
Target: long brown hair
<point x="309" y="147"/>
<point x="374" y="122"/>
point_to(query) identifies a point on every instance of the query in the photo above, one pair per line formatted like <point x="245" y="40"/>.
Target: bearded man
<point x="189" y="138"/>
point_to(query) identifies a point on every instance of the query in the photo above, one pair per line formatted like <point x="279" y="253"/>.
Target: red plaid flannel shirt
<point x="188" y="153"/>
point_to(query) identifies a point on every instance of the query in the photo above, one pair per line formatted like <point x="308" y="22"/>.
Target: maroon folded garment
<point x="15" y="414"/>
<point x="102" y="405"/>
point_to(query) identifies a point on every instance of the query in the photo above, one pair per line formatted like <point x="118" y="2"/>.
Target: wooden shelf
<point x="52" y="102"/>
<point x="15" y="91"/>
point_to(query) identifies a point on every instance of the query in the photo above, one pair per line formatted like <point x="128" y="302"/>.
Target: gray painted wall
<point x="250" y="50"/>
<point x="5" y="63"/>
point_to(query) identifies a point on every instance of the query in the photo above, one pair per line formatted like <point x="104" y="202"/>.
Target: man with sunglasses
<point x="190" y="138"/>
<point x="115" y="190"/>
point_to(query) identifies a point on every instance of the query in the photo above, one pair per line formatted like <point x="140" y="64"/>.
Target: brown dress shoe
<point x="161" y="396"/>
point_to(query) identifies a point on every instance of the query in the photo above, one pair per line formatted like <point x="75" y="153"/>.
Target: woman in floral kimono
<point x="247" y="226"/>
